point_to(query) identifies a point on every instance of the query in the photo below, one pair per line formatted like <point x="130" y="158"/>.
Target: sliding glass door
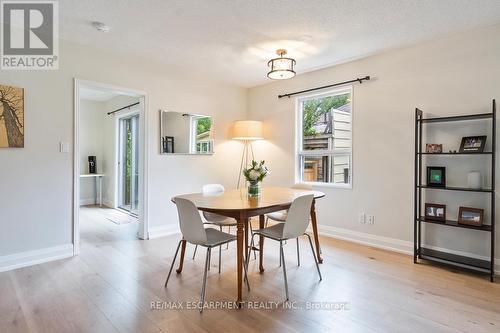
<point x="129" y="164"/>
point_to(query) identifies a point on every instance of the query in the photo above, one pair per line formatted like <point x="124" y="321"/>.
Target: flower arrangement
<point x="254" y="174"/>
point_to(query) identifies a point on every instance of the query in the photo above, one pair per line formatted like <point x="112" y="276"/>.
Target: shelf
<point x="463" y="189"/>
<point x="450" y="223"/>
<point x="470" y="153"/>
<point x="457" y="118"/>
<point x="455" y="260"/>
<point x="463" y="261"/>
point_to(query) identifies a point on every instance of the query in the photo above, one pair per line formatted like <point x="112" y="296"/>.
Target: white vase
<point x="474" y="180"/>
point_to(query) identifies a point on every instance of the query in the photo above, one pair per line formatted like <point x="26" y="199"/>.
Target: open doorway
<point x="109" y="163"/>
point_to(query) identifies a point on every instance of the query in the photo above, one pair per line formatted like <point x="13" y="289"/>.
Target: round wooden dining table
<point x="238" y="205"/>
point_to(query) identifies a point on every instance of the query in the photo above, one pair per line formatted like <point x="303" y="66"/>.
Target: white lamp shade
<point x="247" y="130"/>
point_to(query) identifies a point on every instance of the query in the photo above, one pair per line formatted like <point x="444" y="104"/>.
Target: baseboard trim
<point x="381" y="242"/>
<point x="163" y="231"/>
<point x="387" y="243"/>
<point x="29" y="258"/>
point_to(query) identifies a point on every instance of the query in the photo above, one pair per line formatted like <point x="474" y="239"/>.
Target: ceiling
<point x="232" y="40"/>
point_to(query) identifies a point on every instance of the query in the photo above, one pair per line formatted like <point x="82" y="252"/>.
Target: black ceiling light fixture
<point x="282" y="68"/>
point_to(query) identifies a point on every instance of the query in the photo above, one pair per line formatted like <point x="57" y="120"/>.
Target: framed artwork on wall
<point x="11" y="117"/>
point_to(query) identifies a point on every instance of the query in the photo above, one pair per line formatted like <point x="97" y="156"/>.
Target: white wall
<point x="36" y="182"/>
<point x="91" y="144"/>
<point x="456" y="75"/>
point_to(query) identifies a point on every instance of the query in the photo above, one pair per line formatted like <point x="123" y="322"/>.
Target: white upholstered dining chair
<point x="280" y="216"/>
<point x="216" y="219"/>
<point x="193" y="232"/>
<point x="294" y="226"/>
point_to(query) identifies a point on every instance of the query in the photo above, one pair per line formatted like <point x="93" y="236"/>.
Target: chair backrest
<point x="190" y="222"/>
<point x="297" y="219"/>
<point x="212" y="188"/>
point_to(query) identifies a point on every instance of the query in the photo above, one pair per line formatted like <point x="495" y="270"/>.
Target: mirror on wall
<point x="183" y="133"/>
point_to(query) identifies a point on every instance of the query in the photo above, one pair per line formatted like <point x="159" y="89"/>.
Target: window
<point x="324" y="138"/>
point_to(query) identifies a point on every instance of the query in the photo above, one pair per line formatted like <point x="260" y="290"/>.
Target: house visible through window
<point x="324" y="136"/>
<point x="202" y="142"/>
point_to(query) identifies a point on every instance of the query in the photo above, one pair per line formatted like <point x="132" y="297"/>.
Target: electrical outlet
<point x="362" y="218"/>
<point x="370" y="219"/>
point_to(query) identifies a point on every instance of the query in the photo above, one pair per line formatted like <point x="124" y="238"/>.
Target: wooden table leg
<point x="183" y="251"/>
<point x="315" y="231"/>
<point x="239" y="255"/>
<point x="261" y="244"/>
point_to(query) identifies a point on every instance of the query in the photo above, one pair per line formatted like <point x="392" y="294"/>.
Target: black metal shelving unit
<point x="420" y="252"/>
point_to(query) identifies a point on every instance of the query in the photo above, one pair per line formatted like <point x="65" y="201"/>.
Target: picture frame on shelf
<point x="471" y="216"/>
<point x="436" y="176"/>
<point x="473" y="144"/>
<point x="435" y="212"/>
<point x="433" y="148"/>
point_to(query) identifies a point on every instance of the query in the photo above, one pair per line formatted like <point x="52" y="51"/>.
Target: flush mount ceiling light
<point x="101" y="27"/>
<point x="281" y="68"/>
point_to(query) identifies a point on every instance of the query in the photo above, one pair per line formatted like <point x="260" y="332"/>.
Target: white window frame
<point x="299" y="152"/>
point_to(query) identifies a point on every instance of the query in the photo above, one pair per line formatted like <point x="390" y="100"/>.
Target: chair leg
<point x="267" y="220"/>
<point x="314" y="255"/>
<point x="247" y="255"/>
<point x="228" y="231"/>
<point x="298" y="252"/>
<point x="209" y="260"/>
<point x="245" y="278"/>
<point x="284" y="269"/>
<point x="251" y="231"/>
<point x="194" y="253"/>
<point x="220" y="253"/>
<point x="280" y="257"/>
<point x="173" y="262"/>
<point x="203" y="287"/>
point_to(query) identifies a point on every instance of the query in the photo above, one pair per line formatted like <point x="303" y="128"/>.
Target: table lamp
<point x="246" y="131"/>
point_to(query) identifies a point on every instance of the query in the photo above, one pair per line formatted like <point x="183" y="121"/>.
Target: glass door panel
<point x="129" y="163"/>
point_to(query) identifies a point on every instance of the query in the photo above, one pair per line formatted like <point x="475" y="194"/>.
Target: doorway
<point x="121" y="161"/>
<point x="128" y="164"/>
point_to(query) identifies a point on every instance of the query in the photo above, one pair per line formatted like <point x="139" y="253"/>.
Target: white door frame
<point x="143" y="157"/>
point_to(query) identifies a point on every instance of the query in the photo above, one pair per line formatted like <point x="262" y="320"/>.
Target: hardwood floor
<point x="111" y="285"/>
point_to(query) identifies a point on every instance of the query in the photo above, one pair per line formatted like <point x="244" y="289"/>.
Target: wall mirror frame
<point x="186" y="133"/>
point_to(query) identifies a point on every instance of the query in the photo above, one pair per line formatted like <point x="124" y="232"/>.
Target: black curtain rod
<point x="360" y="80"/>
<point x="125" y="107"/>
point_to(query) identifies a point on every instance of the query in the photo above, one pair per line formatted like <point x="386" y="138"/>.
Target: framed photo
<point x="435" y="212"/>
<point x="433" y="148"/>
<point x="436" y="176"/>
<point x="473" y="144"/>
<point x="471" y="216"/>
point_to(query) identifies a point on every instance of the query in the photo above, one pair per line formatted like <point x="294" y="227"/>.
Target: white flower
<point x="253" y="175"/>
